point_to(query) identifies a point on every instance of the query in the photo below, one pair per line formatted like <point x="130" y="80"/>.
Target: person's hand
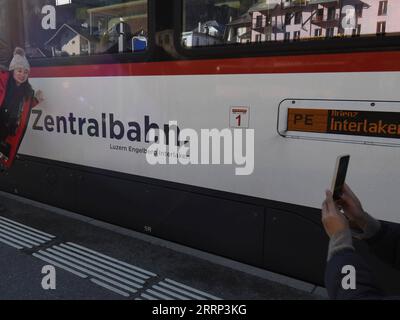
<point x="39" y="96"/>
<point x="333" y="220"/>
<point x="352" y="208"/>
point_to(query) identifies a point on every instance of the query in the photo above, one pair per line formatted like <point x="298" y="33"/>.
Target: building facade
<point x="284" y="20"/>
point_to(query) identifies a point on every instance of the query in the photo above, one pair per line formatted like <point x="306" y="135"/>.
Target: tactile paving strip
<point x="20" y="236"/>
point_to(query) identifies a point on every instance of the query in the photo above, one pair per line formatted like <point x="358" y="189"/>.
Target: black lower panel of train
<point x="278" y="237"/>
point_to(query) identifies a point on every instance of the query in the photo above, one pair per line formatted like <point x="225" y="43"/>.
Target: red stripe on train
<point x="344" y="62"/>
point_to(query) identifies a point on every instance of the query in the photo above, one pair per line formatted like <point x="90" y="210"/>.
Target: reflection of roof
<point x="263" y="6"/>
<point x="243" y="19"/>
<point x="83" y="32"/>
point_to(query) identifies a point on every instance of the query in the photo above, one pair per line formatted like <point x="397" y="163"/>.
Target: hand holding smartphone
<point x="339" y="176"/>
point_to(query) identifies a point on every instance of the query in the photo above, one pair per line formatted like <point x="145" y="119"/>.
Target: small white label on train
<point x="239" y="117"/>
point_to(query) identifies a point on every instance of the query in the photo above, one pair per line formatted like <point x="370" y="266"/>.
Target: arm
<point x="340" y="254"/>
<point x="382" y="238"/>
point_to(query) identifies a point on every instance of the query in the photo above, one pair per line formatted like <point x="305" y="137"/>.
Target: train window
<point x="223" y="22"/>
<point x="62" y="28"/>
<point x="5" y="35"/>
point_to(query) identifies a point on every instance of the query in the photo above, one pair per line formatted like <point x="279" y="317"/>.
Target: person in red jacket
<point x="17" y="98"/>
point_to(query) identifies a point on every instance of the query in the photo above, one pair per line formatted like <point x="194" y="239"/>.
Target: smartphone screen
<point x="339" y="176"/>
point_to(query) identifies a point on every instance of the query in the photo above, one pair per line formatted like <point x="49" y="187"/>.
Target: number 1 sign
<point x="239" y="117"/>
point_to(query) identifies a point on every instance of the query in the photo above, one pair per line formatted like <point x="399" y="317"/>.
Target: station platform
<point x="96" y="260"/>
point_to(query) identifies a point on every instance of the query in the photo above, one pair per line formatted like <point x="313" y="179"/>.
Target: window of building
<point x="259" y="21"/>
<point x="296" y="35"/>
<point x="331" y="14"/>
<point x="330" y="32"/>
<point x="287" y="36"/>
<point x="357" y="31"/>
<point x="258" y="37"/>
<point x="317" y="32"/>
<point x="288" y="18"/>
<point x="320" y="14"/>
<point x="85" y="46"/>
<point x="107" y="26"/>
<point x="382" y="10"/>
<point x="298" y="17"/>
<point x="381" y="28"/>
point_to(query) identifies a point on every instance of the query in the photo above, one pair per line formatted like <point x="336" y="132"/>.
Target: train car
<point x="287" y="85"/>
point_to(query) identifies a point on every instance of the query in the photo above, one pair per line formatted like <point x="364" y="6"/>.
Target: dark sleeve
<point x="386" y="244"/>
<point x="366" y="287"/>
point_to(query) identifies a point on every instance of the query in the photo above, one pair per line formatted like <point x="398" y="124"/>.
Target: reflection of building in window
<point x="264" y="9"/>
<point x="370" y="17"/>
<point x="118" y="26"/>
<point x="326" y="15"/>
<point x="68" y="41"/>
<point x="239" y="30"/>
<point x="271" y="20"/>
<point x="134" y="13"/>
<point x="206" y="34"/>
<point x="85" y="27"/>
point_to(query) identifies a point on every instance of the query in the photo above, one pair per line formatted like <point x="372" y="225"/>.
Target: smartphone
<point x="339" y="176"/>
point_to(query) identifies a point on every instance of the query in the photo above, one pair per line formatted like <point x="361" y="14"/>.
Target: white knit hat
<point x="19" y="60"/>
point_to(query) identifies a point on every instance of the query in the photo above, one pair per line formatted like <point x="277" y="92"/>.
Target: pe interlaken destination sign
<point x="349" y="122"/>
